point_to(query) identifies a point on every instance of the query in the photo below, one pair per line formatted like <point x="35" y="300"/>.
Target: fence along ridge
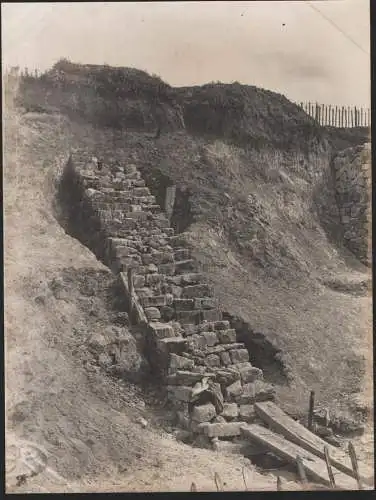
<point x="337" y="116"/>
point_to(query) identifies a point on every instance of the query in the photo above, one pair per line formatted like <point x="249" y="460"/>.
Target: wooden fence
<point x="338" y="116"/>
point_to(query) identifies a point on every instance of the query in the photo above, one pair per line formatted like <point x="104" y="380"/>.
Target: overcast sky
<point x="283" y="46"/>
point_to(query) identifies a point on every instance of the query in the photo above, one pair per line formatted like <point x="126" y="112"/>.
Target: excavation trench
<point x="73" y="213"/>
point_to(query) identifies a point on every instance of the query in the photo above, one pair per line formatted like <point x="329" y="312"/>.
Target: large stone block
<point x="227" y="336"/>
<point x="180" y="363"/>
<point x="184" y="304"/>
<point x="212" y="360"/>
<point x="193" y="291"/>
<point x="256" y="391"/>
<point x="161" y="330"/>
<point x="152" y="313"/>
<point x="181" y="377"/>
<point x="226" y="376"/>
<point x="228" y="429"/>
<point x="230" y="411"/>
<point x="210" y="314"/>
<point x="203" y="413"/>
<point x="239" y="355"/>
<point x="247" y="413"/>
<point x="205" y="303"/>
<point x="154" y="301"/>
<point x="225" y="358"/>
<point x="234" y="391"/>
<point x="248" y="373"/>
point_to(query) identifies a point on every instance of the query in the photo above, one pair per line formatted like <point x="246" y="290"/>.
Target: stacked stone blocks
<point x="189" y="343"/>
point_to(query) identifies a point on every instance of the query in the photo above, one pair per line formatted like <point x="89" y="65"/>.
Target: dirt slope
<point x="85" y="422"/>
<point x="263" y="222"/>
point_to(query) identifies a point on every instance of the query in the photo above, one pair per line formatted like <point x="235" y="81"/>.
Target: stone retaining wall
<point x="209" y="379"/>
<point x="353" y="185"/>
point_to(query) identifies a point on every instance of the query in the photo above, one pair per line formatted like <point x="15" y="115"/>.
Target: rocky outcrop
<point x="209" y="380"/>
<point x="353" y="186"/>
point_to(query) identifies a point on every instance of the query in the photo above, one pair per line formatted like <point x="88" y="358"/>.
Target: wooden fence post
<point x="329" y="467"/>
<point x="311" y="409"/>
<point x="354" y="463"/>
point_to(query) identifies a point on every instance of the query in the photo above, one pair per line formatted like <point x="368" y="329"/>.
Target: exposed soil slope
<point x="259" y="211"/>
<point x="57" y="297"/>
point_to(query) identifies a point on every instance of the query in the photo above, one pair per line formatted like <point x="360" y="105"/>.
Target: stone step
<point x="182" y="266"/>
<point x="154" y="301"/>
<point x="182" y="254"/>
<point x="167" y="269"/>
<point x="157" y="258"/>
<point x="177" y="241"/>
<point x="228" y="429"/>
<point x="160" y="330"/>
<point x="175" y="345"/>
<point x="184" y="304"/>
<point x="153" y="278"/>
<point x="126" y="197"/>
<point x="187" y="378"/>
<point x="201" y="290"/>
<point x="193" y="317"/>
<point x="185" y="279"/>
<point x="197" y="316"/>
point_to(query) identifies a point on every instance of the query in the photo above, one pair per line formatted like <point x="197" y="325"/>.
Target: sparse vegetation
<point x="262" y="221"/>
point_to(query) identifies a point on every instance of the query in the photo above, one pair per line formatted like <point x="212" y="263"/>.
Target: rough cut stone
<point x="203" y="413"/>
<point x="193" y="291"/>
<point x="248" y="373"/>
<point x="210" y="314"/>
<point x="234" y="390"/>
<point x="212" y="360"/>
<point x="225" y="358"/>
<point x="230" y="411"/>
<point x="247" y="413"/>
<point x="228" y="429"/>
<point x="167" y="313"/>
<point x="256" y="391"/>
<point x="161" y="330"/>
<point x="152" y="313"/>
<point x="227" y="336"/>
<point x="226" y="376"/>
<point x="153" y="301"/>
<point x="239" y="355"/>
<point x="180" y="363"/>
<point x="181" y="377"/>
<point x="211" y="338"/>
<point x="205" y="303"/>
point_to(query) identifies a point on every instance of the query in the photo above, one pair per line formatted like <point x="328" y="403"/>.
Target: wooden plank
<point x="314" y="466"/>
<point x="296" y="433"/>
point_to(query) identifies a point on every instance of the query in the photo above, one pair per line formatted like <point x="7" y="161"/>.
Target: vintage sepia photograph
<point x="187" y="246"/>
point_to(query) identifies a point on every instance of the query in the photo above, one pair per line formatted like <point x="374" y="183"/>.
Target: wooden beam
<point x="280" y="422"/>
<point x="329" y="467"/>
<point x="314" y="466"/>
<point x="354" y="463"/>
